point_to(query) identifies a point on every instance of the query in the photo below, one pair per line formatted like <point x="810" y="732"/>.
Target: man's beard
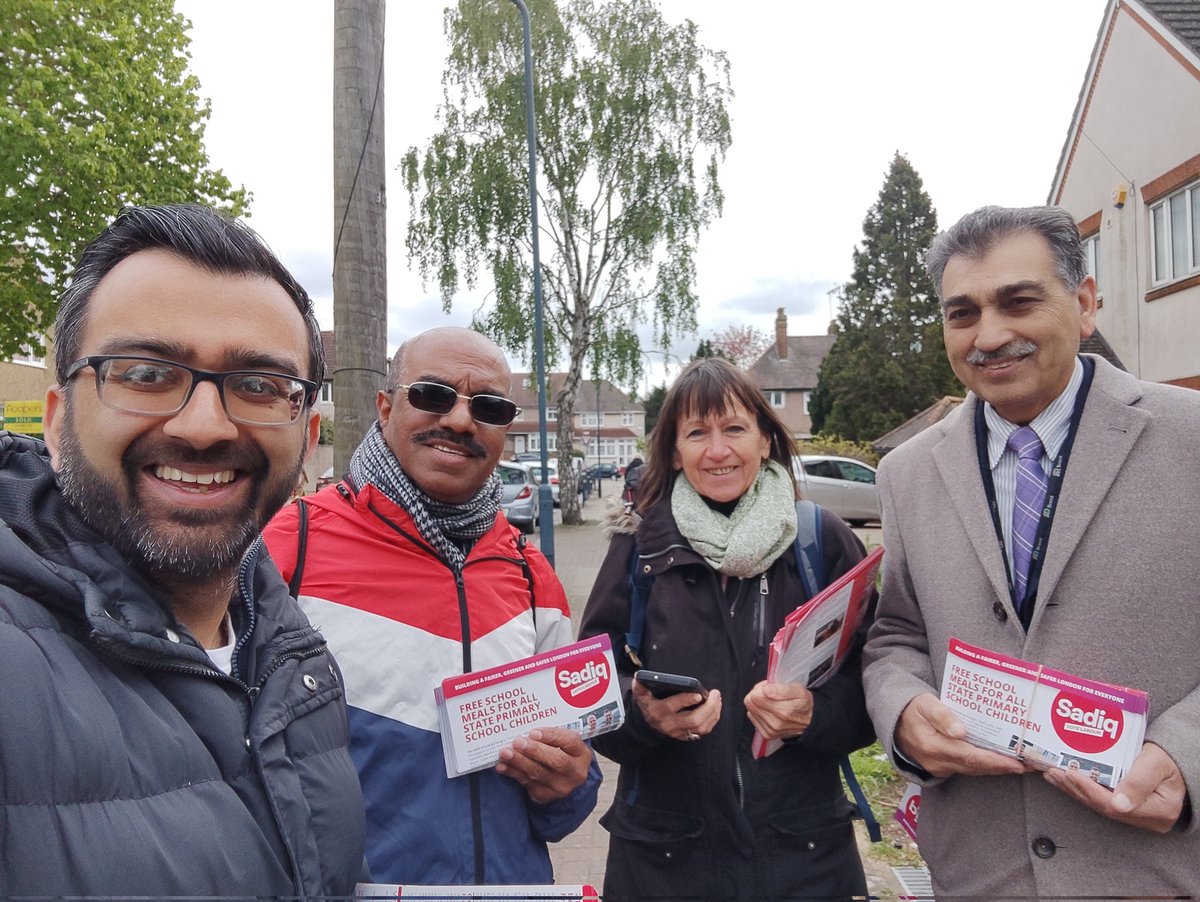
<point x="183" y="544"/>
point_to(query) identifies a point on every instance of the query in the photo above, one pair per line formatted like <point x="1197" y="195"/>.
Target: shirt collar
<point x="1051" y="425"/>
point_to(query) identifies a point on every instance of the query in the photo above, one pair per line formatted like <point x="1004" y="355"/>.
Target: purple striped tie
<point x="1027" y="506"/>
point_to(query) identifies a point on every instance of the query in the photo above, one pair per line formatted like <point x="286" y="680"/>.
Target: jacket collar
<point x="50" y="554"/>
<point x="1108" y="430"/>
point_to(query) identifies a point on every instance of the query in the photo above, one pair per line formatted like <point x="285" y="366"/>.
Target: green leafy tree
<point x="632" y="126"/>
<point x="98" y="111"/>
<point x="889" y="360"/>
<point x="706" y="349"/>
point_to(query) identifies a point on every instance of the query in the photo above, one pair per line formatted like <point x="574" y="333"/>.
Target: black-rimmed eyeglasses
<point x="162" y="388"/>
<point x="433" y="397"/>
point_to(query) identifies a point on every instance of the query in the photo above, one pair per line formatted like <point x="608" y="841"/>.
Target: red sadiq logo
<point x="1084" y="725"/>
<point x="582" y="682"/>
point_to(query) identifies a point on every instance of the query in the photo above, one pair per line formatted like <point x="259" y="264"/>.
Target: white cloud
<point x="978" y="96"/>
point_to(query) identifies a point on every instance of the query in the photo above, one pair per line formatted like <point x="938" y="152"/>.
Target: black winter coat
<point x="129" y="765"/>
<point x="704" y="819"/>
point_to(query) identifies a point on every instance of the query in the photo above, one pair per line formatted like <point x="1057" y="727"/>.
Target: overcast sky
<point x="977" y="95"/>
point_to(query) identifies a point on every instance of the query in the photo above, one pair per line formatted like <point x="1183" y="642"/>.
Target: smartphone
<point x="664" y="685"/>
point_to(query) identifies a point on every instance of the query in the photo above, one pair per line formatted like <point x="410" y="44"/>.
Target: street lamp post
<point x="599" y="433"/>
<point x="545" y="494"/>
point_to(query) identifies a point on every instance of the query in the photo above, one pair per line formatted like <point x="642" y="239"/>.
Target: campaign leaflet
<point x="909" y="810"/>
<point x="480" y="713"/>
<point x="1045" y="717"/>
<point x="816" y="637"/>
<point x="578" y="893"/>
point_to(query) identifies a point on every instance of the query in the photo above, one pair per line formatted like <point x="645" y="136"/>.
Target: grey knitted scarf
<point x="452" y="529"/>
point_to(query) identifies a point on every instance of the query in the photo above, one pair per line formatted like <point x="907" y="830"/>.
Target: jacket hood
<point x="57" y="559"/>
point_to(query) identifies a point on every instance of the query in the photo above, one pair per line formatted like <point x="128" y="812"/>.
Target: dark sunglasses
<point x="433" y="397"/>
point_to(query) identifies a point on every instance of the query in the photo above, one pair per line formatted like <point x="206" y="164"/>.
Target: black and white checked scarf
<point x="452" y="529"/>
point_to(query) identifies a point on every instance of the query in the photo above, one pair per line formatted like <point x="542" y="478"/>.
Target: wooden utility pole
<point x="359" y="222"/>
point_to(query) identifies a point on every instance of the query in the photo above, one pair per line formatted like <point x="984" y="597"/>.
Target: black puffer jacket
<point x="704" y="819"/>
<point x="129" y="765"/>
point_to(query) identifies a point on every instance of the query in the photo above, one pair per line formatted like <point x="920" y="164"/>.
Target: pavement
<point x="578" y="554"/>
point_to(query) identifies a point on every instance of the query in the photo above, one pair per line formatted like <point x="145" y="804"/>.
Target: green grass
<point x="883" y="788"/>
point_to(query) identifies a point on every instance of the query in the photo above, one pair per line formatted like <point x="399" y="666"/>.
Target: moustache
<point x="468" y="444"/>
<point x="1018" y="347"/>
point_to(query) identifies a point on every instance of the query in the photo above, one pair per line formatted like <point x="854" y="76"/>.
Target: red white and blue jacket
<point x="400" y="620"/>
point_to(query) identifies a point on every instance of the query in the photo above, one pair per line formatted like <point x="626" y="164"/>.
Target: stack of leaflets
<point x="1045" y="717"/>
<point x="480" y="713"/>
<point x="816" y="637"/>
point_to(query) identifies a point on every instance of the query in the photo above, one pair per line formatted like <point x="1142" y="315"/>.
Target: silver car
<point x="518" y="495"/>
<point x="840" y="484"/>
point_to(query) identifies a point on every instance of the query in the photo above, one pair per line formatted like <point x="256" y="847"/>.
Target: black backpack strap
<point x="860" y="801"/>
<point x="301" y="548"/>
<point x="810" y="552"/>
<point x="522" y="541"/>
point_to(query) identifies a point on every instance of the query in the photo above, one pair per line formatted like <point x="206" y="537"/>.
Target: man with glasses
<point x="170" y="723"/>
<point x="410" y="568"/>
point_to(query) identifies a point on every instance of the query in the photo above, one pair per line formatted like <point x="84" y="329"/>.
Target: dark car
<point x="602" y="471"/>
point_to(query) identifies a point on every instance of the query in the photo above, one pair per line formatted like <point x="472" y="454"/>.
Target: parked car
<point x="518" y="495"/>
<point x="602" y="471"/>
<point x="840" y="484"/>
<point x="552" y="466"/>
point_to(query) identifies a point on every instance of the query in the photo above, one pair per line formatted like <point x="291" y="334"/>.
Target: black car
<point x="602" y="471"/>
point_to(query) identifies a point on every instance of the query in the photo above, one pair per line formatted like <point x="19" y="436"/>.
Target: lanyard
<point x="1057" y="472"/>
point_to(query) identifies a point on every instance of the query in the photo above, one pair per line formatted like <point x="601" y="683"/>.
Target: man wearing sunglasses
<point x="170" y="723"/>
<point x="411" y="570"/>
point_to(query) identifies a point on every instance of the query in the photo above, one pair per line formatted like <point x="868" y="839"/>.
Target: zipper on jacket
<point x="738" y="783"/>
<point x="760" y="620"/>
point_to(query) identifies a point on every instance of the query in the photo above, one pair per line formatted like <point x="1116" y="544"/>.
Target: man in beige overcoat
<point x="1110" y="590"/>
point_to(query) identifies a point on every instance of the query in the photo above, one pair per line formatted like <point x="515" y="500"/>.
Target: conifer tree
<point x="889" y="361"/>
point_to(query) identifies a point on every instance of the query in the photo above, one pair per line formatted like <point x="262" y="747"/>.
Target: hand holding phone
<point x="664" y="685"/>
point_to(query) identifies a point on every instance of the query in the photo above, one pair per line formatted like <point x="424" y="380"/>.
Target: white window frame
<point x="589" y="420"/>
<point x="551" y="415"/>
<point x="1165" y="264"/>
<point x="1091" y="250"/>
<point x="628" y="418"/>
<point x="27" y="356"/>
<point x="776" y="397"/>
<point x="326" y="395"/>
<point x="807" y="397"/>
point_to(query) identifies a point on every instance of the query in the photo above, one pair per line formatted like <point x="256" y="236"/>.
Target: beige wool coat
<point x="1119" y="601"/>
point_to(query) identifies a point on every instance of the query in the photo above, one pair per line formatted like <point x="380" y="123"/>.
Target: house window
<point x="588" y="419"/>
<point x="775" y="397"/>
<point x="1175" y="234"/>
<point x="327" y="391"/>
<point x="1091" y="249"/>
<point x="551" y="415"/>
<point x="535" y="441"/>
<point x="30" y="356"/>
<point x="806" y="396"/>
<point x="627" y="418"/>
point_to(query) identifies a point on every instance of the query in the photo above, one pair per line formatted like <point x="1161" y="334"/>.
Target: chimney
<point x="781" y="334"/>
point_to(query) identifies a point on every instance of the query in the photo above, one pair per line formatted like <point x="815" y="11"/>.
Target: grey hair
<point x="977" y="233"/>
<point x="197" y="234"/>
